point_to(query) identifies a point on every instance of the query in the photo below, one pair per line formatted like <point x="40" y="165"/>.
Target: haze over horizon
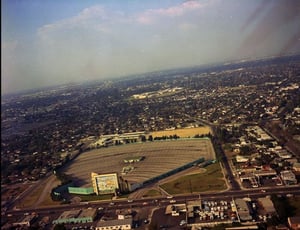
<point x="47" y="43"/>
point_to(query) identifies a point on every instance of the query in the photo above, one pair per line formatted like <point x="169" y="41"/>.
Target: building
<point x="83" y="191"/>
<point x="284" y="154"/>
<point x="116" y="224"/>
<point x="296" y="167"/>
<point x="76" y="216"/>
<point x="243" y="210"/>
<point x="294" y="222"/>
<point x="105" y="183"/>
<point x="288" y="177"/>
<point x="133" y="159"/>
<point x="241" y="159"/>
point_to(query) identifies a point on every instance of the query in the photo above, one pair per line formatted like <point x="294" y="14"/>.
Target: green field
<point x="210" y="180"/>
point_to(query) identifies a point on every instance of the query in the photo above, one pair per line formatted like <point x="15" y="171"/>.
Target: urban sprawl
<point x="252" y="112"/>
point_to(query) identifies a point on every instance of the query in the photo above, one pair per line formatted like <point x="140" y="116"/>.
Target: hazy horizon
<point x="47" y="43"/>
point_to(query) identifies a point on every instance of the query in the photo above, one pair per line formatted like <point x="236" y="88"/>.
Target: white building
<point x="241" y="159"/>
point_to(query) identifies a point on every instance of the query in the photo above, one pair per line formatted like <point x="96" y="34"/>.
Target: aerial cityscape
<point x="187" y="141"/>
<point x="139" y="140"/>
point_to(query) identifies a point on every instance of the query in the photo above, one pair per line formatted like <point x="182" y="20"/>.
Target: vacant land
<point x="40" y="195"/>
<point x="159" y="157"/>
<point x="187" y="132"/>
<point x="210" y="180"/>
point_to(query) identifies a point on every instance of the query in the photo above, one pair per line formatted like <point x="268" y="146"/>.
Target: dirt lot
<point x="187" y="132"/>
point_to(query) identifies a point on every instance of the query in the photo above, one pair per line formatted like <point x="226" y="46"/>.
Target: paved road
<point x="50" y="183"/>
<point x="163" y="202"/>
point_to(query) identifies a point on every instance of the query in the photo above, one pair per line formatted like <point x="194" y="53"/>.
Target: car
<point x="172" y="201"/>
<point x="146" y="221"/>
<point x="129" y="201"/>
<point x="182" y="222"/>
<point x="111" y="203"/>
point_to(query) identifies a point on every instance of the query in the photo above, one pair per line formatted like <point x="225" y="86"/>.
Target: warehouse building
<point x="243" y="210"/>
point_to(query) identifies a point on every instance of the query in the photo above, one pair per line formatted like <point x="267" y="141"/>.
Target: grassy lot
<point x="210" y="180"/>
<point x="152" y="193"/>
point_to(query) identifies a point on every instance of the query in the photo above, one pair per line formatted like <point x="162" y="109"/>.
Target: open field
<point x="187" y="132"/>
<point x="159" y="157"/>
<point x="211" y="179"/>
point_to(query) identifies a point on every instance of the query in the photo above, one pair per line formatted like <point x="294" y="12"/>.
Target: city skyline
<point x="47" y="43"/>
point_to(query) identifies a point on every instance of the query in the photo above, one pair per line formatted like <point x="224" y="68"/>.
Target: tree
<point x="143" y="138"/>
<point x="60" y="227"/>
<point x="245" y="150"/>
<point x="150" y="138"/>
<point x="283" y="207"/>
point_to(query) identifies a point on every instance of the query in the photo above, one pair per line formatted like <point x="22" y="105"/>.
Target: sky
<point x="53" y="42"/>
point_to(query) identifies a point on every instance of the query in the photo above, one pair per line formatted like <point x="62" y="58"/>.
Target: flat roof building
<point x="117" y="224"/>
<point x="288" y="177"/>
<point x="76" y="216"/>
<point x="243" y="210"/>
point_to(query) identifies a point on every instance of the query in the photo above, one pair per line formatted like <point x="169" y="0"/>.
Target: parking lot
<point x="159" y="157"/>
